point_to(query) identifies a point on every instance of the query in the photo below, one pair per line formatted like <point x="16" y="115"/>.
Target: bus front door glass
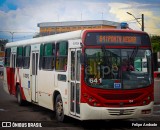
<point x="117" y="68"/>
<point x="75" y="82"/>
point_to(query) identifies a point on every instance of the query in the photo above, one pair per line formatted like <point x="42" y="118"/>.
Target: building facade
<point x="49" y="28"/>
<point x="2" y="44"/>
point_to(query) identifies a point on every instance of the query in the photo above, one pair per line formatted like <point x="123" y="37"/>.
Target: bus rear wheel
<point x="19" y="96"/>
<point x="59" y="109"/>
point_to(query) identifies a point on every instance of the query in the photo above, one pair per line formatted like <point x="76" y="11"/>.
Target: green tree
<point x="2" y="43"/>
<point x="155" y="40"/>
<point x="37" y="35"/>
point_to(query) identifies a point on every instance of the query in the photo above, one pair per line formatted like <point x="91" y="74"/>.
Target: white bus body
<point x="52" y="86"/>
<point x="42" y="88"/>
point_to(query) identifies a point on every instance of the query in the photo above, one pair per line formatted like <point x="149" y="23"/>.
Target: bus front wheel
<point x="59" y="109"/>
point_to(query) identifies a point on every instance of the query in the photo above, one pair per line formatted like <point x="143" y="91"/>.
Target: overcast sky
<point x="23" y="15"/>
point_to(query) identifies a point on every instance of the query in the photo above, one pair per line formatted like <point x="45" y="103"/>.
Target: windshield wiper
<point x="105" y="57"/>
<point x="133" y="55"/>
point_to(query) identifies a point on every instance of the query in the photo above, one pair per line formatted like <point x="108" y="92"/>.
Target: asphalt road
<point x="31" y="114"/>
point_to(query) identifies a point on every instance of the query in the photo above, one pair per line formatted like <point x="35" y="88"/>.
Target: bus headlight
<point x="144" y="102"/>
<point x="149" y="98"/>
<point x="91" y="101"/>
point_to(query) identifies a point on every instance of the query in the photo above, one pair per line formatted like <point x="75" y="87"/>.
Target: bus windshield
<point x="117" y="68"/>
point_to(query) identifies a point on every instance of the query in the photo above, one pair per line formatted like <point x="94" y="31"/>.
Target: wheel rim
<point x="59" y="108"/>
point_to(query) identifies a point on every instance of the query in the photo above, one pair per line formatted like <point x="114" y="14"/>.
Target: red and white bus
<point x="79" y="74"/>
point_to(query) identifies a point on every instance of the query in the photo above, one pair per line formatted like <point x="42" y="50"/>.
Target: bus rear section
<point x="108" y="91"/>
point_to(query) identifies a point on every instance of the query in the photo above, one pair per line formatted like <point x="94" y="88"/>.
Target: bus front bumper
<point x="102" y="113"/>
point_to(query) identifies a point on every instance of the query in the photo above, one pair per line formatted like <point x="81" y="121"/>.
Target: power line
<point x="18" y="31"/>
<point x="13" y="32"/>
<point x="131" y="21"/>
<point x="152" y="28"/>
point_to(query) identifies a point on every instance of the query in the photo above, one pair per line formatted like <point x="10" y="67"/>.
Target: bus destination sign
<point x="117" y="39"/>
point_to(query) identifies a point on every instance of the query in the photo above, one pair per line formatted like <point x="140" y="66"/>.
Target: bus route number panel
<point x="116" y="38"/>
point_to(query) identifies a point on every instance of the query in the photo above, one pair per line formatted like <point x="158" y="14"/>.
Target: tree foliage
<point x="155" y="40"/>
<point x="3" y="41"/>
<point x="37" y="35"/>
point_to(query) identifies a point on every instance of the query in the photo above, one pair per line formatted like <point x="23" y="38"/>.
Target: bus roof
<point x="64" y="36"/>
<point x="46" y="39"/>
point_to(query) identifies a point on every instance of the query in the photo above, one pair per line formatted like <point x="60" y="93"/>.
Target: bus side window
<point x="41" y="56"/>
<point x="26" y="63"/>
<point x="19" y="60"/>
<point x="7" y="57"/>
<point x="48" y="56"/>
<point x="61" y="55"/>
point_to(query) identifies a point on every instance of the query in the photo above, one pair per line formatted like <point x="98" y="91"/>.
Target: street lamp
<point x="12" y="35"/>
<point x="142" y="25"/>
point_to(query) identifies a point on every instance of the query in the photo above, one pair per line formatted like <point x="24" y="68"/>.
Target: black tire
<point x="59" y="109"/>
<point x="19" y="97"/>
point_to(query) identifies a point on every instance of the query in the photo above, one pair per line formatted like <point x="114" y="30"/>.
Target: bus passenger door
<point x="75" y="82"/>
<point x="34" y="82"/>
<point x="12" y="73"/>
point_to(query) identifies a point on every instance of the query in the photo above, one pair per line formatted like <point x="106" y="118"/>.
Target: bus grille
<point x="120" y="96"/>
<point x="117" y="112"/>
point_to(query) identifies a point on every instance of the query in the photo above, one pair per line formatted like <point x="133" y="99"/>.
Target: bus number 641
<point x="95" y="80"/>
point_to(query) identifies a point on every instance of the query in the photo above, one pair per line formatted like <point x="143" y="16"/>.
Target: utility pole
<point x="102" y="15"/>
<point x="142" y="22"/>
<point x="12" y="35"/>
<point x="81" y="16"/>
